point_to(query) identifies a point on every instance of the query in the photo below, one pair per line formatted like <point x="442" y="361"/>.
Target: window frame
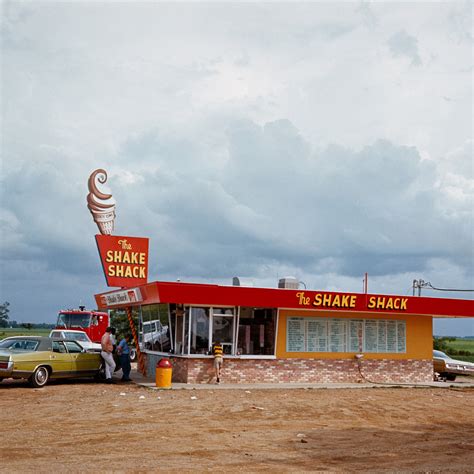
<point x="184" y="340"/>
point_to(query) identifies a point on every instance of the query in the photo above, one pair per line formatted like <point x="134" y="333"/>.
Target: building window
<point x="196" y="329"/>
<point x="155" y="331"/>
<point x="223" y="323"/>
<point x="199" y="331"/>
<point x="256" y="335"/>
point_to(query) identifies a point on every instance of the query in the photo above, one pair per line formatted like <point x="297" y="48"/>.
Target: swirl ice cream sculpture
<point x="101" y="204"/>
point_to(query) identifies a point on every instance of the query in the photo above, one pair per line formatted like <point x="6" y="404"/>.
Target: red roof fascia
<point x="216" y="295"/>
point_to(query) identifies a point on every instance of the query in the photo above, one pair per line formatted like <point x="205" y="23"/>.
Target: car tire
<point x="100" y="375"/>
<point x="133" y="354"/>
<point x="450" y="377"/>
<point x="40" y="377"/>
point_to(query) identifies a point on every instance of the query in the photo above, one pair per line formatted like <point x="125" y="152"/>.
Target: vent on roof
<point x="291" y="283"/>
<point x="238" y="281"/>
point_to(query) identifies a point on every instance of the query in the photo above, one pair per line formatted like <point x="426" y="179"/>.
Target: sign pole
<point x="141" y="362"/>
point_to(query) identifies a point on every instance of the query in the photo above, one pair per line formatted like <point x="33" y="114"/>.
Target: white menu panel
<point x="295" y="338"/>
<point x="391" y="336"/>
<point x="356" y="335"/>
<point x="371" y="336"/>
<point x="337" y="335"/>
<point x="345" y="335"/>
<point x="381" y="336"/>
<point x="317" y="331"/>
<point x="401" y="336"/>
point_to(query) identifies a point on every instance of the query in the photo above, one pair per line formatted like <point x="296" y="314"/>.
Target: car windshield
<point x="440" y="355"/>
<point x="19" y="344"/>
<point x="76" y="336"/>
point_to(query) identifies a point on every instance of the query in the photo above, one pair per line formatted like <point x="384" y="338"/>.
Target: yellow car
<point x="39" y="359"/>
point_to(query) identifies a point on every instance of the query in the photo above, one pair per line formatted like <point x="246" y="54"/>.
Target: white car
<point x="79" y="336"/>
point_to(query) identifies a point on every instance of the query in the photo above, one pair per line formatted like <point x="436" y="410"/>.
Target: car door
<point x="83" y="363"/>
<point x="60" y="360"/>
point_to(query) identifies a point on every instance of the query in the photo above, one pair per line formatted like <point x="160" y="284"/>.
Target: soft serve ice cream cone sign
<point x="101" y="203"/>
<point x="124" y="259"/>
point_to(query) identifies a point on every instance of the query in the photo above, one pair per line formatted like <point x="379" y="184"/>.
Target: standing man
<point x="217" y="352"/>
<point x="124" y="353"/>
<point x="107" y="349"/>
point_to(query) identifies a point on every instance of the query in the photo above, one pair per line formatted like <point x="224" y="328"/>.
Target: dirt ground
<point x="82" y="426"/>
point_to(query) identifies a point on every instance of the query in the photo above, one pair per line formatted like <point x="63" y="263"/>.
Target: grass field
<point x="7" y="332"/>
<point x="461" y="345"/>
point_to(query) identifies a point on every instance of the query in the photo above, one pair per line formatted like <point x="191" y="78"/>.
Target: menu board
<point x="401" y="336"/>
<point x="295" y="340"/>
<point x="345" y="335"/>
<point x="391" y="336"/>
<point x="371" y="336"/>
<point x="317" y="331"/>
<point x="381" y="336"/>
<point x="337" y="335"/>
<point x="356" y="332"/>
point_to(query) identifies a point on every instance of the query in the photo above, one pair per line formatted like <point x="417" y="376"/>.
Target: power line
<point x="446" y="289"/>
<point x="426" y="284"/>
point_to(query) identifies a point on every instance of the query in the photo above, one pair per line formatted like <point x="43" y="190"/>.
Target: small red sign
<point x="124" y="259"/>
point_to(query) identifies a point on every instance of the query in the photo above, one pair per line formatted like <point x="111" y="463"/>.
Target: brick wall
<point x="298" y="370"/>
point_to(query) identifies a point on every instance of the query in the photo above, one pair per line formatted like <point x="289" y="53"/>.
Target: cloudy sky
<point x="259" y="140"/>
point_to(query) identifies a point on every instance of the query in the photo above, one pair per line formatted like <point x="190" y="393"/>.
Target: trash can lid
<point x="164" y="364"/>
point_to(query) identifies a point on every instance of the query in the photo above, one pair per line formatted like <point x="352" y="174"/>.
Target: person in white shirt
<point x="107" y="354"/>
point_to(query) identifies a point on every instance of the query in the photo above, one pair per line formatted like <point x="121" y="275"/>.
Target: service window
<point x="256" y="334"/>
<point x="197" y="328"/>
<point x="200" y="322"/>
<point x="223" y="321"/>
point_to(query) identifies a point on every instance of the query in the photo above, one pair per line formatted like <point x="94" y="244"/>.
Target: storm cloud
<point x="247" y="140"/>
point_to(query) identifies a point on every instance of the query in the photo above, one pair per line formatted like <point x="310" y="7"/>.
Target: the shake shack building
<point x="283" y="334"/>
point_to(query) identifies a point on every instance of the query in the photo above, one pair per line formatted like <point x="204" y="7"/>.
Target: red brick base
<point x="190" y="370"/>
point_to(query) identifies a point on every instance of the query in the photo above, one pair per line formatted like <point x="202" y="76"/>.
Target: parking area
<point x="82" y="426"/>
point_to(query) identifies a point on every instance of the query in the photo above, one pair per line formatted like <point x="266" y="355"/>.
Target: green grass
<point x="7" y="332"/>
<point x="462" y="345"/>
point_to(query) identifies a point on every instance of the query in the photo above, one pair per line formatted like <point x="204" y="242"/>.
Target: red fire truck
<point x="93" y="323"/>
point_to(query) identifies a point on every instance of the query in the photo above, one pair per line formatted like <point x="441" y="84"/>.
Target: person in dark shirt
<point x="217" y="352"/>
<point x="124" y="354"/>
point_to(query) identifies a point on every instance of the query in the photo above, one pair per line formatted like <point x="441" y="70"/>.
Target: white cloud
<point x="403" y="44"/>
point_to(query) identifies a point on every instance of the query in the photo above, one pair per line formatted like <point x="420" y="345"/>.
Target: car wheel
<point x="133" y="354"/>
<point x="40" y="377"/>
<point x="100" y="375"/>
<point x="450" y="377"/>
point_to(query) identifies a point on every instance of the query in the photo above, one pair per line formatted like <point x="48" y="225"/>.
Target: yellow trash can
<point x="164" y="372"/>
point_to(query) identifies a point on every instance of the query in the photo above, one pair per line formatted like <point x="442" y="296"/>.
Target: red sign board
<point x="124" y="259"/>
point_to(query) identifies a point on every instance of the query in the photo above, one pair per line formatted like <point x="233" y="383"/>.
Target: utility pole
<point x="420" y="284"/>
